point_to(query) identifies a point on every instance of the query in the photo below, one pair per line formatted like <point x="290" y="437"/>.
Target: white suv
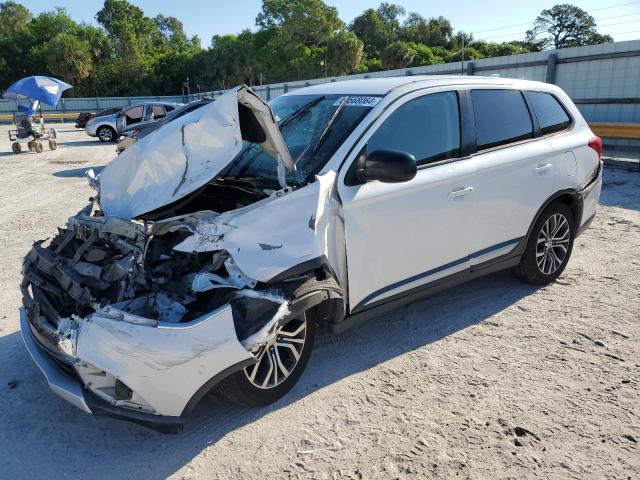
<point x="217" y="245"/>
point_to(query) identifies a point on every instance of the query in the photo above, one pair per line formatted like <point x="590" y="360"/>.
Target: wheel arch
<point x="311" y="287"/>
<point x="570" y="197"/>
<point x="318" y="292"/>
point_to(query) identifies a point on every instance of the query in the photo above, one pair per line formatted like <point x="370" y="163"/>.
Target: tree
<point x="69" y="57"/>
<point x="487" y="49"/>
<point x="565" y="26"/>
<point x="390" y="14"/>
<point x="433" y="32"/>
<point x="424" y="56"/>
<point x="307" y="22"/>
<point x="370" y="29"/>
<point x="398" y="55"/>
<point x="344" y="52"/>
<point x="14" y="20"/>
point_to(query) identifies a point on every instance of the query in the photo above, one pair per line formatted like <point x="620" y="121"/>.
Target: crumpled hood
<point x="186" y="154"/>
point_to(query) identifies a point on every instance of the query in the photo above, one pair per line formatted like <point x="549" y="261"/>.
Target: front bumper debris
<point x="165" y="368"/>
<point x="60" y="382"/>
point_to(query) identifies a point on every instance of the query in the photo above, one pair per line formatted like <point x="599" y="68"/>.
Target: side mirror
<point x="388" y="166"/>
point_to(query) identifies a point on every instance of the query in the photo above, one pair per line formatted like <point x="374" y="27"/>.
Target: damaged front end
<point x="139" y="318"/>
<point x="144" y="327"/>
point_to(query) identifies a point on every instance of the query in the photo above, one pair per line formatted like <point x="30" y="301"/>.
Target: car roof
<point x="384" y="85"/>
<point x="159" y="102"/>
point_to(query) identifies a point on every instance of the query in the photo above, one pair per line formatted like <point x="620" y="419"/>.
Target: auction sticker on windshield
<point x="359" y="101"/>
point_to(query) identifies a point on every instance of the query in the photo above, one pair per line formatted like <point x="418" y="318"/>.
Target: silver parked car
<point x="109" y="127"/>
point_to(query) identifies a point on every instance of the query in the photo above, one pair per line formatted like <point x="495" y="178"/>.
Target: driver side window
<point x="427" y="127"/>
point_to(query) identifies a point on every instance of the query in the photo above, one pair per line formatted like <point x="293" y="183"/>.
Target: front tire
<point x="277" y="369"/>
<point x="549" y="246"/>
<point x="106" y="134"/>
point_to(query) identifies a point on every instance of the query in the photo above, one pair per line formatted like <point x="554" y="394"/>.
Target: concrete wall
<point x="603" y="80"/>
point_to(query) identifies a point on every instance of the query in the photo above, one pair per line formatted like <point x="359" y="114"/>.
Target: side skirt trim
<point x="424" y="291"/>
<point x="367" y="303"/>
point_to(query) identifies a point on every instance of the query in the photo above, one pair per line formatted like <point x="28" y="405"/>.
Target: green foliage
<point x="408" y="54"/>
<point x="370" y="29"/>
<point x="344" y="52"/>
<point x="565" y="26"/>
<point x="434" y="32"/>
<point x="129" y="53"/>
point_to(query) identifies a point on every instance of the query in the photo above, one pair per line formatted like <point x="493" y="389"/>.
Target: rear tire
<point x="53" y="145"/>
<point x="38" y="147"/>
<point x="16" y="147"/>
<point x="106" y="134"/>
<point x="256" y="385"/>
<point x="549" y="246"/>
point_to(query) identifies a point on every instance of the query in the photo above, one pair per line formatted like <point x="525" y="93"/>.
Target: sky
<point x="492" y="20"/>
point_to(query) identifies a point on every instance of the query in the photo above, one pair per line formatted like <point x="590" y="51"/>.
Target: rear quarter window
<point x="551" y="115"/>
<point x="501" y="117"/>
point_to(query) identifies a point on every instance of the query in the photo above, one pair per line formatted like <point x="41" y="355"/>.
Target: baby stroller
<point x="27" y="93"/>
<point x="27" y="130"/>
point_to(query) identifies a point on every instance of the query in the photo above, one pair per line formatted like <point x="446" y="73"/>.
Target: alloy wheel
<point x="553" y="243"/>
<point x="105" y="135"/>
<point x="277" y="360"/>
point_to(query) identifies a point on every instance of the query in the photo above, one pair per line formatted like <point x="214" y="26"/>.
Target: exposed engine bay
<point x="147" y="309"/>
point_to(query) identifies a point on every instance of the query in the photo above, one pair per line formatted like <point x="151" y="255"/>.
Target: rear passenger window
<point x="501" y="117"/>
<point x="550" y="114"/>
<point x="427" y="127"/>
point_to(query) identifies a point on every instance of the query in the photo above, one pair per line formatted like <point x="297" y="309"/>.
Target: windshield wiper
<point x="254" y="184"/>
<point x="329" y="125"/>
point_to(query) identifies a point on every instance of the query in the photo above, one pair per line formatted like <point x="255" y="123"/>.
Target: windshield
<point x="313" y="127"/>
<point x="108" y="111"/>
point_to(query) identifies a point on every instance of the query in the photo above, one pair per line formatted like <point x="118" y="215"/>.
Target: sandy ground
<point x="493" y="379"/>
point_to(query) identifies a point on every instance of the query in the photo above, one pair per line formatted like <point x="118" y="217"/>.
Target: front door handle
<point x="543" y="168"/>
<point x="461" y="192"/>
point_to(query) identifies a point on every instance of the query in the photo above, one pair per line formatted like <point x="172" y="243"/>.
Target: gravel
<point x="494" y="378"/>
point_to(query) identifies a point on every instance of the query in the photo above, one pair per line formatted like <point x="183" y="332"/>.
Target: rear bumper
<point x="590" y="195"/>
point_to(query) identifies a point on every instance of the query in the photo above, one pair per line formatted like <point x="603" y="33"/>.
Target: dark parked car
<point x="83" y="118"/>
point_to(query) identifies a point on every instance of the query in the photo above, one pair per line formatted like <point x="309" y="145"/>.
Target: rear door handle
<point x="461" y="192"/>
<point x="540" y="168"/>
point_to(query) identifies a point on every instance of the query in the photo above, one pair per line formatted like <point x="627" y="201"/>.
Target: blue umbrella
<point x="43" y="89"/>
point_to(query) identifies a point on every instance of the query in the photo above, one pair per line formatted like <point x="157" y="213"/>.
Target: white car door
<point x="514" y="172"/>
<point x="402" y="236"/>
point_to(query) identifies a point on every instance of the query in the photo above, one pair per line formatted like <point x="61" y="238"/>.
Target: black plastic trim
<point x="159" y="423"/>
<point x="467" y="124"/>
<point x="204" y="389"/>
<point x="304" y="267"/>
<point x="534" y="119"/>
<point x="424" y="291"/>
<point x="568" y="191"/>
